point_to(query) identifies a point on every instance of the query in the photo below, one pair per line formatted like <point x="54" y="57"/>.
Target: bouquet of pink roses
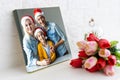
<point x="97" y="55"/>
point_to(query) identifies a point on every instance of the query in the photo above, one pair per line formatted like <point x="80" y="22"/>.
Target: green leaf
<point x="85" y="36"/>
<point x="113" y="43"/>
<point x="117" y="54"/>
<point x="118" y="63"/>
<point x="113" y="49"/>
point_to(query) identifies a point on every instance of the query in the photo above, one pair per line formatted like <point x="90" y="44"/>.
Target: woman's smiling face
<point x="29" y="27"/>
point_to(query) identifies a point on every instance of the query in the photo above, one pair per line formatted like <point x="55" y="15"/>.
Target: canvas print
<point x="42" y="36"/>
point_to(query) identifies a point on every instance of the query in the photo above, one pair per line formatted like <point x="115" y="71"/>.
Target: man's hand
<point x="52" y="49"/>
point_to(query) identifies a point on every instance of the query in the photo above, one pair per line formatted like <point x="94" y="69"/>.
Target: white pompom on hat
<point x="24" y="18"/>
<point x="37" y="12"/>
<point x="38" y="29"/>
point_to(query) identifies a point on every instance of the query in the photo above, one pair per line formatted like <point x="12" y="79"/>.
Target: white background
<point x="76" y="14"/>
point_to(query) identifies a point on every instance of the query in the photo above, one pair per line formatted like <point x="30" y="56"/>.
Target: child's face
<point x="41" y="20"/>
<point x="41" y="37"/>
<point x="29" y="26"/>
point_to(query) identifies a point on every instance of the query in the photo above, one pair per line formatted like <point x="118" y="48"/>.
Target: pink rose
<point x="77" y="63"/>
<point x="82" y="54"/>
<point x="91" y="47"/>
<point x="104" y="53"/>
<point x="112" y="60"/>
<point x="109" y="70"/>
<point x="90" y="62"/>
<point x="101" y="63"/>
<point x="92" y="37"/>
<point x="103" y="43"/>
<point x="81" y="44"/>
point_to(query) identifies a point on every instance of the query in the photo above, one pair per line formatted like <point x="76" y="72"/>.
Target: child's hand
<point x="43" y="62"/>
<point x="48" y="61"/>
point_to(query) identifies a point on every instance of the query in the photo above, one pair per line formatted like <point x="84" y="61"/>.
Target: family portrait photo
<point x="42" y="36"/>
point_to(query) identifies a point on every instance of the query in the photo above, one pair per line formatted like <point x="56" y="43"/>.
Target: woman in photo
<point x="29" y="42"/>
<point x="54" y="33"/>
<point x="45" y="48"/>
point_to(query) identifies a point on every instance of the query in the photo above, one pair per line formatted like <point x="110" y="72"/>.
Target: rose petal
<point x="104" y="53"/>
<point x="77" y="63"/>
<point x="92" y="37"/>
<point x="82" y="54"/>
<point x="109" y="70"/>
<point x="112" y="60"/>
<point x="101" y="63"/>
<point x="103" y="43"/>
<point x="91" y="47"/>
<point x="90" y="62"/>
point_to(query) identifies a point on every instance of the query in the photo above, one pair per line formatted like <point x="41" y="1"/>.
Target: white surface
<point x="75" y="15"/>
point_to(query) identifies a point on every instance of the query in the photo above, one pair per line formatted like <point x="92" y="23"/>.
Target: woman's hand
<point x="44" y="62"/>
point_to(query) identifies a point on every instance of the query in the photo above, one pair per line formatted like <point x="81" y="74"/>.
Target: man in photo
<point x="54" y="33"/>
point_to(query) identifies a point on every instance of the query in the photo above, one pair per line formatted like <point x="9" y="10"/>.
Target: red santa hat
<point x="37" y="12"/>
<point x="24" y="18"/>
<point x="38" y="29"/>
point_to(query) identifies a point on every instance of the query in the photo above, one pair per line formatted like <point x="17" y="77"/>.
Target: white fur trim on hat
<point x="24" y="19"/>
<point x="36" y="31"/>
<point x="38" y="14"/>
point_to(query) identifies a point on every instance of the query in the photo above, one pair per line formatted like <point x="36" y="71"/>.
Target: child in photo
<point x="45" y="48"/>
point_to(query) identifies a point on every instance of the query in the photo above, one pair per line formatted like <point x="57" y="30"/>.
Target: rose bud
<point x="109" y="70"/>
<point x="90" y="62"/>
<point x="101" y="63"/>
<point x="103" y="43"/>
<point x="104" y="53"/>
<point x="93" y="69"/>
<point x="112" y="60"/>
<point x="92" y="37"/>
<point x="82" y="54"/>
<point x="81" y="44"/>
<point x="77" y="63"/>
<point x="91" y="47"/>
